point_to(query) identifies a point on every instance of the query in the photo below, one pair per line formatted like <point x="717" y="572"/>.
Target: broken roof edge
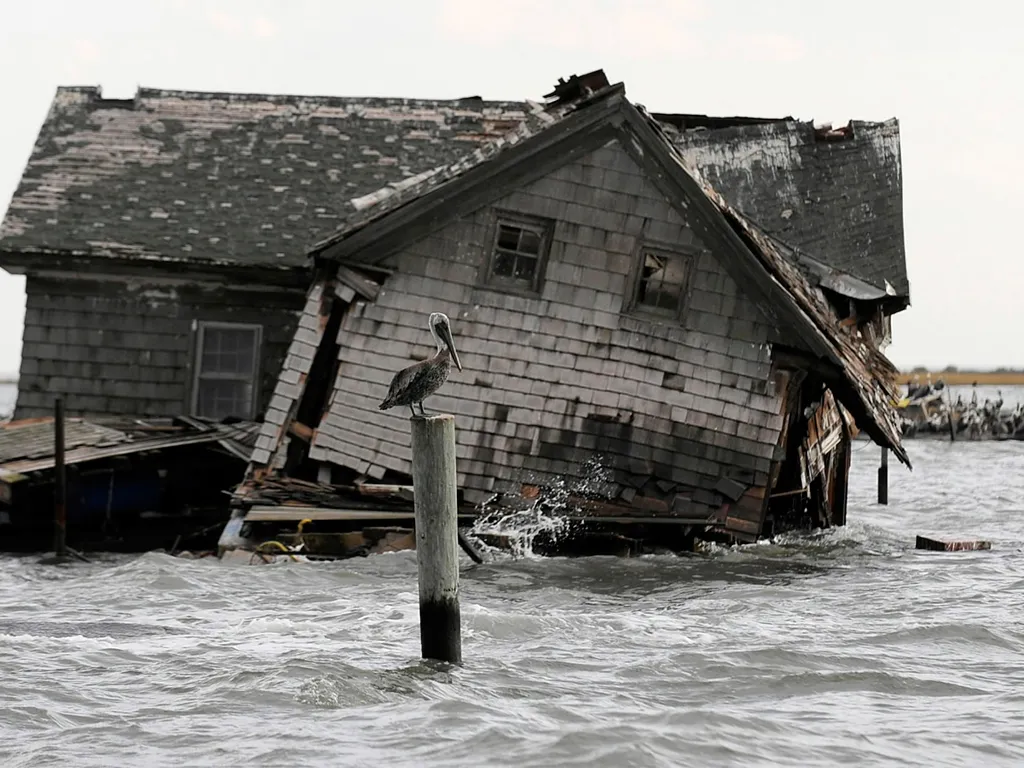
<point x="832" y="278"/>
<point x="94" y="93"/>
<point x="695" y="125"/>
<point x="858" y="368"/>
<point x="686" y="121"/>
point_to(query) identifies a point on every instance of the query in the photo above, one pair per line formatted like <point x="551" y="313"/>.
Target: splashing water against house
<point x="549" y="511"/>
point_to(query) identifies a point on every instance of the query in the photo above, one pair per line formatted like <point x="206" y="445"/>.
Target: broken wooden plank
<point x="794" y="492"/>
<point x="361" y="284"/>
<point x="962" y="545"/>
<point x="382" y="489"/>
<point x="301" y="431"/>
<point x="750" y="527"/>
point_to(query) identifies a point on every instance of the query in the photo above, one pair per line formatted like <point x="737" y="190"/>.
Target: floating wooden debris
<point x="938" y="545"/>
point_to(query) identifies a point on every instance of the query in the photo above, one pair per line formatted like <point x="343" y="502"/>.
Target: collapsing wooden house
<point x="611" y="309"/>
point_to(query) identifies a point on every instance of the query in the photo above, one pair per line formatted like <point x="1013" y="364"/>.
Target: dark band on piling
<point x="441" y="630"/>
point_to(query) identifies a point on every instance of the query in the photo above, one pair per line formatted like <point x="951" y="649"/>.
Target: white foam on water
<point x="548" y="514"/>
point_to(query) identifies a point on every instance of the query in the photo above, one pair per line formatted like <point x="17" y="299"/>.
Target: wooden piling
<point x="883" y="478"/>
<point x="59" y="482"/>
<point x="437" y="541"/>
<point x="952" y="426"/>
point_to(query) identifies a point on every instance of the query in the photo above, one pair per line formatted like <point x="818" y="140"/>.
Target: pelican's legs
<point x="423" y="412"/>
<point x="413" y="410"/>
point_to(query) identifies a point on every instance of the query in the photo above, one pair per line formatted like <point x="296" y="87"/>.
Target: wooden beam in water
<point x="287" y="514"/>
<point x="939" y="545"/>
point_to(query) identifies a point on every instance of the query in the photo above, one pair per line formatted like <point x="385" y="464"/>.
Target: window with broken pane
<point x="518" y="256"/>
<point x="227" y="360"/>
<point x="661" y="283"/>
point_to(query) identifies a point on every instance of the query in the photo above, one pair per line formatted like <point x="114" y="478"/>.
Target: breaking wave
<point x="519" y="520"/>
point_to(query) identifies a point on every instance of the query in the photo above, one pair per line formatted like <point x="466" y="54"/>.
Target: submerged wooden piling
<point x="437" y="542"/>
<point x="59" y="482"/>
<point x="883" y="478"/>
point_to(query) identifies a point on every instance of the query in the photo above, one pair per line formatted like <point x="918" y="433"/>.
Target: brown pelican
<point x="418" y="381"/>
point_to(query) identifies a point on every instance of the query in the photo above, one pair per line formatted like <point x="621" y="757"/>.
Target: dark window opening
<point x="519" y="253"/>
<point x="227" y="361"/>
<point x="661" y="282"/>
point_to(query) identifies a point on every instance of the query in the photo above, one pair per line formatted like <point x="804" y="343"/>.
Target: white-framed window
<point x="227" y="365"/>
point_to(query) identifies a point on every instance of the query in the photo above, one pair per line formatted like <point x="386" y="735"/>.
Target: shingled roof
<point x="837" y="193"/>
<point x="862" y="376"/>
<point x="224" y="178"/>
<point x="252" y="179"/>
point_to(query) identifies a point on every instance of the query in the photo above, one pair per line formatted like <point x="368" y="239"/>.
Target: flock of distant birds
<point x="928" y="410"/>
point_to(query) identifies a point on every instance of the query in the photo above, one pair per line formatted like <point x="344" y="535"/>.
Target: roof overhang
<point x="87" y="264"/>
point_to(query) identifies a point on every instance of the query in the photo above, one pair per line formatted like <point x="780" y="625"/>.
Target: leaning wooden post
<point x="59" y="482"/>
<point x="952" y="426"/>
<point x="883" y="478"/>
<point x="437" y="544"/>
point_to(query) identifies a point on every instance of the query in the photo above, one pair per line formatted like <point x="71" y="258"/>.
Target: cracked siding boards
<point x="840" y="200"/>
<point x="271" y="445"/>
<point x="125" y="347"/>
<point x="825" y="431"/>
<point x="225" y="178"/>
<point x="546" y="378"/>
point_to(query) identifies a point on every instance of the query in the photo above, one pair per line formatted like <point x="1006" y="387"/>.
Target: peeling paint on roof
<point x="836" y="193"/>
<point x="196" y="176"/>
<point x="221" y="178"/>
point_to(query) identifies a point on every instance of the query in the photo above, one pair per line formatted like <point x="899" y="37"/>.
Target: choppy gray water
<point x="847" y="647"/>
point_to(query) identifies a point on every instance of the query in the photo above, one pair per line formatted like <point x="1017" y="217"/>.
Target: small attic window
<point x="519" y="253"/>
<point x="660" y="283"/>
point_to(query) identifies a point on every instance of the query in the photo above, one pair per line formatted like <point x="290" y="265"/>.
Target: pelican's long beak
<point x="446" y="336"/>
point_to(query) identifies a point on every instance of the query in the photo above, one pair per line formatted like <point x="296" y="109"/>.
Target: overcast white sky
<point x="949" y="70"/>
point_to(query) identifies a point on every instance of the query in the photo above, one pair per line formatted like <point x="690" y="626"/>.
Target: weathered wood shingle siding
<point x="117" y="348"/>
<point x="693" y="397"/>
